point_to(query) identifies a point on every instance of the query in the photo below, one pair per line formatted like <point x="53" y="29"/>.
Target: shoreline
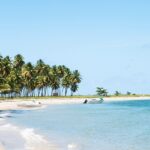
<point x="33" y="104"/>
<point x="28" y="139"/>
<point x="23" y="104"/>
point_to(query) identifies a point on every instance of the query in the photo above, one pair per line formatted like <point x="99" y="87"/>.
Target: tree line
<point x="21" y="79"/>
<point x="100" y="91"/>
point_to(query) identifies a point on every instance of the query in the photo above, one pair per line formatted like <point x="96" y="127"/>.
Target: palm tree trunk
<point x="38" y="92"/>
<point x="44" y="91"/>
<point x="66" y="90"/>
<point x="52" y="92"/>
<point x="62" y="90"/>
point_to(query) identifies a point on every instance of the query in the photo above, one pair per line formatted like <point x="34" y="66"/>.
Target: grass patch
<point x="75" y="96"/>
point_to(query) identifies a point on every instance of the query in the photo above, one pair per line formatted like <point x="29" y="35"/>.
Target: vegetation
<point x="20" y="79"/>
<point x="101" y="91"/>
<point x="117" y="93"/>
<point x="128" y="93"/>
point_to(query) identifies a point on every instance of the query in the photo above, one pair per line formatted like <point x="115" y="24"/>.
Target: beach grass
<point x="73" y="97"/>
<point x="51" y="97"/>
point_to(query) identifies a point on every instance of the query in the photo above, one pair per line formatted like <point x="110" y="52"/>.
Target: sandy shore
<point x="15" y="138"/>
<point x="23" y="103"/>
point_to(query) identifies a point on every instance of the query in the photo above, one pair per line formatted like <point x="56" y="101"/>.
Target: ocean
<point x="119" y="125"/>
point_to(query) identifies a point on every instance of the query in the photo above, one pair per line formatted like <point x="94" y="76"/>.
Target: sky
<point x="107" y="41"/>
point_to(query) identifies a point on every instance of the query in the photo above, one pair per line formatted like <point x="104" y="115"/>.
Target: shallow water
<point x="109" y="126"/>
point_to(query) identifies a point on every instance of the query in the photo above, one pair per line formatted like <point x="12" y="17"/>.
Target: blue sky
<point x="108" y="41"/>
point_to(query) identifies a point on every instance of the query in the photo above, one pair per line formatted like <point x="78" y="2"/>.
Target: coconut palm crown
<point x="20" y="79"/>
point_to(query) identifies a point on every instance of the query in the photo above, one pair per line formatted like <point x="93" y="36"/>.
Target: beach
<point x="19" y="104"/>
<point x="16" y="138"/>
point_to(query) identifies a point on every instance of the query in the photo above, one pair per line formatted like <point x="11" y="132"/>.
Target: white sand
<point x="15" y="104"/>
<point x="21" y="104"/>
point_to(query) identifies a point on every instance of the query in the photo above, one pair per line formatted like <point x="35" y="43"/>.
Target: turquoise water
<point x="108" y="126"/>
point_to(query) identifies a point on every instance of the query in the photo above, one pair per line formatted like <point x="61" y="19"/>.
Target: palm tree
<point x="117" y="93"/>
<point x="7" y="66"/>
<point x="128" y="93"/>
<point x="11" y="80"/>
<point x="28" y="78"/>
<point x="18" y="62"/>
<point x="61" y="73"/>
<point x="18" y="78"/>
<point x="101" y="91"/>
<point x="42" y="77"/>
<point x="2" y="78"/>
<point x="66" y="81"/>
<point x="74" y="88"/>
<point x="75" y="80"/>
<point x="54" y="80"/>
